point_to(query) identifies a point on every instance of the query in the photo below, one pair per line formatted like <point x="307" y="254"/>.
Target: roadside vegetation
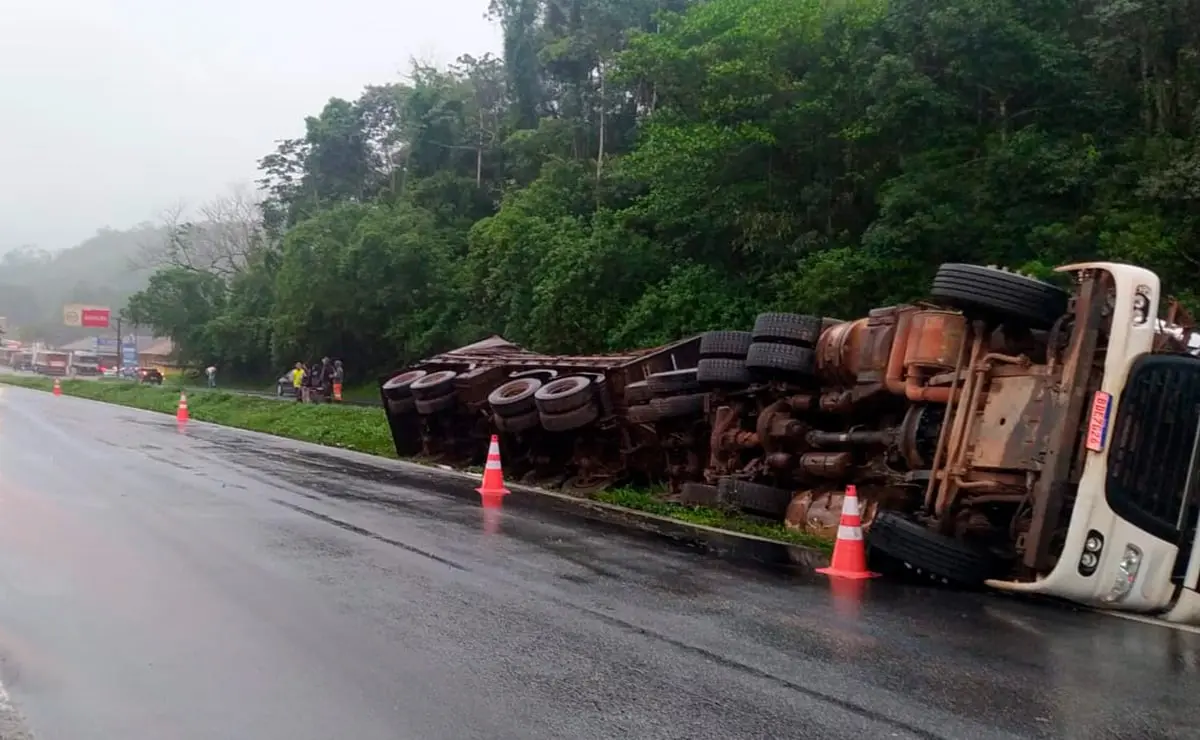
<point x="361" y="429"/>
<point x="632" y="172"/>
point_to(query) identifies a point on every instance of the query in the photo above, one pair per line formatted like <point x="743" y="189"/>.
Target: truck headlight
<point x="1127" y="571"/>
<point x="1141" y="309"/>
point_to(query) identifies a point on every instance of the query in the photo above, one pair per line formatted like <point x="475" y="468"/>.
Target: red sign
<point x="1098" y="424"/>
<point x="96" y="318"/>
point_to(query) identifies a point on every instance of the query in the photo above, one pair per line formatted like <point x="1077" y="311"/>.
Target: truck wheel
<point x="673" y="382"/>
<point x="435" y="385"/>
<point x="517" y="423"/>
<point x="771" y="358"/>
<point x="515" y="398"/>
<point x="401" y="405"/>
<point x="755" y="498"/>
<point x="638" y="392"/>
<point x="931" y="553"/>
<point x="642" y="414"/>
<point x="728" y="344"/>
<point x="397" y="386"/>
<point x="573" y="419"/>
<point x="677" y="406"/>
<point x="565" y="394"/>
<point x="722" y="371"/>
<point x="996" y="294"/>
<point x="434" y="405"/>
<point x="787" y="328"/>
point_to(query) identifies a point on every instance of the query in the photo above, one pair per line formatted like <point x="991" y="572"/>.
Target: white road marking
<point x="1149" y="620"/>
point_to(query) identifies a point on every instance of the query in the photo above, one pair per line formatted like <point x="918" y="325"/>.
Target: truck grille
<point x="1150" y="454"/>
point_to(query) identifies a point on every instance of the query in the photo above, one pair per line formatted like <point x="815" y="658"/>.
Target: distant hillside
<point x="34" y="284"/>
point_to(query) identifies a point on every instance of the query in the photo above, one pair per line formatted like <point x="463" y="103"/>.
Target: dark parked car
<point x="150" y="375"/>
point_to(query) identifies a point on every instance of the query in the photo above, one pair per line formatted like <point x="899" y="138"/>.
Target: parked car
<point x="150" y="375"/>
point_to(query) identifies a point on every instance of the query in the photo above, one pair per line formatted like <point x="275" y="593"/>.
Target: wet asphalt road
<point x="217" y="584"/>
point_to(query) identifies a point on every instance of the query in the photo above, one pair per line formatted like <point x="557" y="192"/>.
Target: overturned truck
<point x="1008" y="431"/>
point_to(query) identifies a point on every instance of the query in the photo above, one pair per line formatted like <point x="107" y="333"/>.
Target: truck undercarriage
<point x="963" y="421"/>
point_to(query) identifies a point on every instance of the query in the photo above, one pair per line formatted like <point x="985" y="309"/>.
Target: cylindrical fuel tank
<point x="838" y="352"/>
<point x="935" y="339"/>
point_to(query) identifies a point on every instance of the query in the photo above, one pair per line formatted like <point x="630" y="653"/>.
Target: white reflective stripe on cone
<point x="850" y="506"/>
<point x="849" y="533"/>
<point x="492" y="465"/>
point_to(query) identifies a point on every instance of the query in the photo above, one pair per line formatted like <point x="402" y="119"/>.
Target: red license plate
<point x="1098" y="423"/>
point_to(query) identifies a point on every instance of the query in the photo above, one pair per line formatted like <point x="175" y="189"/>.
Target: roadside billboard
<point x="94" y="317"/>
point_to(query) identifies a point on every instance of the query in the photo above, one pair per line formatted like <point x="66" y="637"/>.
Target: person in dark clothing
<point x="325" y="381"/>
<point x="339" y="377"/>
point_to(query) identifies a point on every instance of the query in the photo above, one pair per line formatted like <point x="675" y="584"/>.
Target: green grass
<point x="649" y="502"/>
<point x="364" y="429"/>
<point x="348" y="427"/>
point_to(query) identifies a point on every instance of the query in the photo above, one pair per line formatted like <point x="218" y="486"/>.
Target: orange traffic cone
<point x="493" y="475"/>
<point x="849" y="553"/>
<point x="57" y="388"/>
<point x="181" y="414"/>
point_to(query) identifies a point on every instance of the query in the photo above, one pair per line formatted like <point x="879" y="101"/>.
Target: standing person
<point x="306" y="384"/>
<point x="339" y="377"/>
<point x="298" y="381"/>
<point x="326" y="380"/>
<point x="211" y="372"/>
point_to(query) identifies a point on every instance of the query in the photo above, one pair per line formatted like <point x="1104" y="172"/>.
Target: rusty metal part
<point x="854" y="437"/>
<point x="935" y="340"/>
<point x="839" y="352"/>
<point x="837" y="402"/>
<point x="955" y="447"/>
<point x="819" y="512"/>
<point x="832" y="465"/>
<point x="767" y="426"/>
<point x="894" y="379"/>
<point x="779" y="460"/>
<point x="1005" y="434"/>
<point x="916" y="446"/>
<point x="1064" y="415"/>
<point x="876" y="344"/>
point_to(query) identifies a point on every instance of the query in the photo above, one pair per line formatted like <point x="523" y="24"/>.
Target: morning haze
<point x="117" y="109"/>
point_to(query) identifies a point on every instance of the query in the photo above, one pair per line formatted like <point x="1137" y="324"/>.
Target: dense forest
<point x="635" y="170"/>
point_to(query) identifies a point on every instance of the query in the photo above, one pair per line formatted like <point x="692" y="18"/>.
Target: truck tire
<point x="435" y="405"/>
<point x="402" y="405"/>
<point x="434" y="385"/>
<point x="787" y="328"/>
<point x="931" y="553"/>
<point x="673" y="382"/>
<point x="397" y="386"/>
<point x="518" y="422"/>
<point x="999" y="295"/>
<point x="755" y="498"/>
<point x="573" y="419"/>
<point x="771" y="359"/>
<point x="515" y="398"/>
<point x="725" y="344"/>
<point x="565" y="394"/>
<point x="638" y="392"/>
<point x="722" y="371"/>
<point x="676" y="406"/>
<point x="698" y="494"/>
<point x="642" y="414"/>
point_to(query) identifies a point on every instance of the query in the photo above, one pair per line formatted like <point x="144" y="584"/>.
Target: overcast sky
<point x="112" y="110"/>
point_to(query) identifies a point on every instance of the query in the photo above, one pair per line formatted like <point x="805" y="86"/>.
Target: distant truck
<point x="47" y="362"/>
<point x="85" y="364"/>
